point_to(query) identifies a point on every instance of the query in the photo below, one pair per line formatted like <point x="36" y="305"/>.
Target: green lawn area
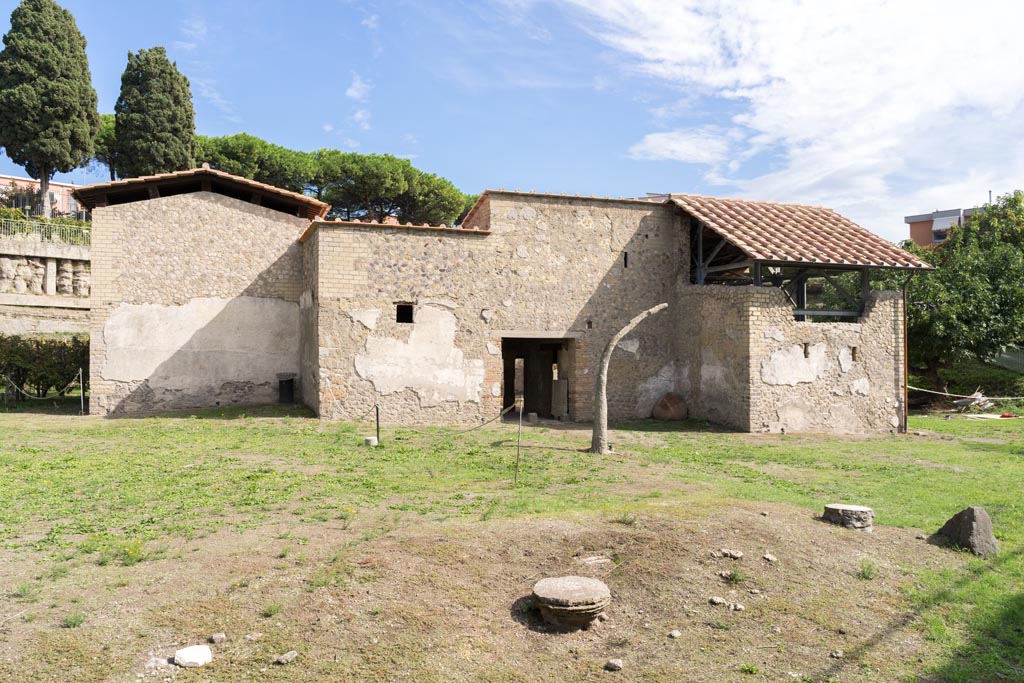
<point x="91" y="492"/>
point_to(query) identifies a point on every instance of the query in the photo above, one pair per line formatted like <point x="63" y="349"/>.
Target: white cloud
<point x="208" y="90"/>
<point x="359" y="90"/>
<point x="371" y="22"/>
<point x="691" y="146"/>
<point x="327" y="127"/>
<point x="362" y="119"/>
<point x="879" y="109"/>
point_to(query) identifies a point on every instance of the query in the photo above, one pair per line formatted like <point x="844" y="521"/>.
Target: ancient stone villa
<point x="208" y="288"/>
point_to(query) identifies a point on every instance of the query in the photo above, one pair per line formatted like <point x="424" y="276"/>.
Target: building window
<point x="403" y="313"/>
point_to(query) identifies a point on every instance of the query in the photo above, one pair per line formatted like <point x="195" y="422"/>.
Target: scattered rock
<point x="671" y="406"/>
<point x="371" y="441"/>
<point x="613" y="665"/>
<point x="776" y="629"/>
<point x="770" y="558"/>
<point x="971" y="529"/>
<point x="725" y="575"/>
<point x="574" y="601"/>
<point x="921" y="537"/>
<point x="252" y="637"/>
<point x="836" y="654"/>
<point x="850" y="516"/>
<point x="715" y="600"/>
<point x="531" y="418"/>
<point x="193" y="656"/>
<point x="602" y="617"/>
<point x="764" y="513"/>
<point x="734" y="554"/>
<point x="287" y="657"/>
<point x="736" y="607"/>
<point x="597" y="561"/>
<point x="218" y="638"/>
<point x="675" y="633"/>
<point x="754" y="591"/>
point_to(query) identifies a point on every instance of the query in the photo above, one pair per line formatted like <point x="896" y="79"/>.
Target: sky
<point x="877" y="109"/>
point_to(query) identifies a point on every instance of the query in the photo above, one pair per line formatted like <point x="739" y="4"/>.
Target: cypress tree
<point x="155" y="123"/>
<point x="48" y="113"/>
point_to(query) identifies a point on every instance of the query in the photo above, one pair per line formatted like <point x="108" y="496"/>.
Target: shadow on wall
<point x="642" y="368"/>
<point x="207" y="353"/>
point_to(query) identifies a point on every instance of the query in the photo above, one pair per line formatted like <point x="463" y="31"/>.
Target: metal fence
<point x="1012" y="358"/>
<point x="44" y="232"/>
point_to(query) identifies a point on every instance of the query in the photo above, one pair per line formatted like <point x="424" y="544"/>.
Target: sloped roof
<point x="179" y="182"/>
<point x="794" y="233"/>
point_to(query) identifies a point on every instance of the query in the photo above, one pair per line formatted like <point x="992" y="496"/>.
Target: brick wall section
<point x="550" y="266"/>
<point x="171" y="251"/>
<point x="751" y="366"/>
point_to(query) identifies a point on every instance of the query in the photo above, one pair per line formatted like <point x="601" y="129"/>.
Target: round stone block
<point x="571" y="600"/>
<point x="850" y="516"/>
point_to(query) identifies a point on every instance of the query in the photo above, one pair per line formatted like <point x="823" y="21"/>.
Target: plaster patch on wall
<point x="845" y="358"/>
<point x="630" y="345"/>
<point x="653" y="388"/>
<point x="789" y="366"/>
<point x="496" y="389"/>
<point x="844" y="421"/>
<point x="683" y="377"/>
<point x="204" y="343"/>
<point x="429" y="364"/>
<point x="493" y="349"/>
<point x="861" y="386"/>
<point x="774" y="333"/>
<point x="306" y="300"/>
<point x="367" y="317"/>
<point x="795" y="416"/>
<point x="522" y="251"/>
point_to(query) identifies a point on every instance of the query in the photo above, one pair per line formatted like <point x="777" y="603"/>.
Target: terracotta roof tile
<point x="795" y="233"/>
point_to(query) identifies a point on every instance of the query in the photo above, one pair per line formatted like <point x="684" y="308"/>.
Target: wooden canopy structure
<point x="744" y="242"/>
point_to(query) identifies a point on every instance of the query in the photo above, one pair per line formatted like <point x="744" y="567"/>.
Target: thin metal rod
<point x="81" y="391"/>
<point x="376" y="408"/>
<point x="519" y="443"/>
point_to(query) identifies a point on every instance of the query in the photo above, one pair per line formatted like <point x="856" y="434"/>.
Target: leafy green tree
<point x="48" y="111"/>
<point x="972" y="305"/>
<point x="251" y="157"/>
<point x="155" y="128"/>
<point x="429" y="199"/>
<point x="106" y="144"/>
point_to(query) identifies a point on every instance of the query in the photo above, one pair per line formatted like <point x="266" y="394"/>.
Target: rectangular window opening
<point x="403" y="313"/>
<point x="625" y="259"/>
<point x="853" y="354"/>
<point x="807" y="350"/>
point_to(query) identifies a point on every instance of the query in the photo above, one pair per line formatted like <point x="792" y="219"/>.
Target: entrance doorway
<point x="542" y="371"/>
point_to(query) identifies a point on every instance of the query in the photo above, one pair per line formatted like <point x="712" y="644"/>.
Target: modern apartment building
<point x="23" y="193"/>
<point x="932" y="228"/>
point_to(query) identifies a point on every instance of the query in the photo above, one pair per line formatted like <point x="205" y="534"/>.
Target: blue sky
<point x="878" y="109"/>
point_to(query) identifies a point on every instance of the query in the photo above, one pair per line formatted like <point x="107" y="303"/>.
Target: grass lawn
<point x="123" y="539"/>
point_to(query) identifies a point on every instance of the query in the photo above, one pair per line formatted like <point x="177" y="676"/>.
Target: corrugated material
<point x="795" y="233"/>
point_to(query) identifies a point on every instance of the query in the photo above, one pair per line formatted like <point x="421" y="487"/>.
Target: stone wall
<point x="826" y="377"/>
<point x="745" y="362"/>
<point x="550" y="267"/>
<point x="44" y="287"/>
<point x="309" y="311"/>
<point x="195" y="303"/>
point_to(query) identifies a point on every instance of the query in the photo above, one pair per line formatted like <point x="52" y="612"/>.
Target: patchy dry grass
<point x="411" y="561"/>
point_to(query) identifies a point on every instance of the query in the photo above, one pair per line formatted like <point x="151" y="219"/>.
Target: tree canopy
<point x="251" y="157"/>
<point x="105" y="144"/>
<point x="48" y="111"/>
<point x="972" y="305"/>
<point x="155" y="122"/>
<point x="357" y="186"/>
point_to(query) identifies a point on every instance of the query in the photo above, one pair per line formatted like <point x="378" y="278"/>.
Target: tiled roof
<point x="91" y="195"/>
<point x="794" y="233"/>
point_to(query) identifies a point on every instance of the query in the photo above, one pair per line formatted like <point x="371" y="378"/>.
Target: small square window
<point x="403" y="313"/>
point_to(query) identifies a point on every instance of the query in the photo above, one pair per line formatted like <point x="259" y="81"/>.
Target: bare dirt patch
<point x="389" y="597"/>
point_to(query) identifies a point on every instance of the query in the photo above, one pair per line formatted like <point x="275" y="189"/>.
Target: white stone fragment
<point x="774" y="333"/>
<point x="522" y="251"/>
<point x="845" y="358"/>
<point x="861" y="386"/>
<point x="493" y="349"/>
<point x="367" y="317"/>
<point x="630" y="345"/>
<point x="193" y="656"/>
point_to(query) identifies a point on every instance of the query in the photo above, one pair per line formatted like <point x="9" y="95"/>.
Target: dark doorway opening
<point x="541" y="370"/>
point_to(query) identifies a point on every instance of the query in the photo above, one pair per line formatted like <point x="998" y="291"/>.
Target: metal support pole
<point x="700" y="254"/>
<point x="519" y="439"/>
<point x="376" y="409"/>
<point x="81" y="391"/>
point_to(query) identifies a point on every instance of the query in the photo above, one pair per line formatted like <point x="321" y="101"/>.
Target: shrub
<point x="37" y="365"/>
<point x="9" y="214"/>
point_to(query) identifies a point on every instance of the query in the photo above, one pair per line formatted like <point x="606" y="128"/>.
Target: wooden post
<point x="599" y="441"/>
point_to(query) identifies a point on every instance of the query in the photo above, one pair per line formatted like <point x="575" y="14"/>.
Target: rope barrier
<point x="500" y="415"/>
<point x="989" y="398"/>
<point x="36" y="398"/>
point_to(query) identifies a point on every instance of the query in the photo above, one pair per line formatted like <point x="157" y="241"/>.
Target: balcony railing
<point x="44" y="232"/>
